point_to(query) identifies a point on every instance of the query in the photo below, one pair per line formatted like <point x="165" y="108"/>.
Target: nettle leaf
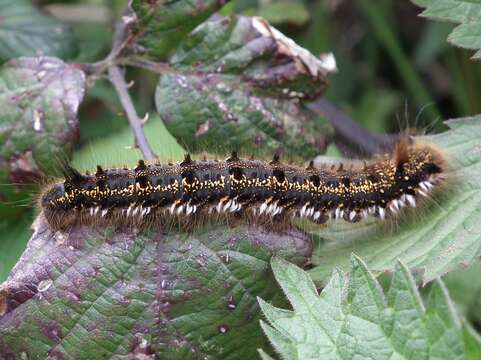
<point x="39" y="100"/>
<point x="472" y="341"/>
<point x="239" y="83"/>
<point x="465" y="12"/>
<point x="353" y="319"/>
<point x="96" y="293"/>
<point x="161" y="25"/>
<point x="24" y="31"/>
<point x="436" y="238"/>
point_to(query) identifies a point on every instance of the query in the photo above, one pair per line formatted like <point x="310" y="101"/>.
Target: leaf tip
<point x="357" y="262"/>
<point x="278" y="264"/>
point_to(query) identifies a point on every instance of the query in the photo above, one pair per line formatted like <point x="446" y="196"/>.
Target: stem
<point x="159" y="68"/>
<point x="352" y="139"/>
<point x="120" y="42"/>
<point x="117" y="79"/>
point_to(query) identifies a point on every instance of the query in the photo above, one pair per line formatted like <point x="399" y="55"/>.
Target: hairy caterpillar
<point x="152" y="194"/>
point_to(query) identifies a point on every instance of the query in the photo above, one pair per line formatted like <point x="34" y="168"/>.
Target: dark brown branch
<point x="117" y="79"/>
<point x="351" y="138"/>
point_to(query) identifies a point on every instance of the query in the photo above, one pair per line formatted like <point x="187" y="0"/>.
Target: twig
<point x="120" y="42"/>
<point x="156" y="67"/>
<point x="123" y="29"/>
<point x="352" y="139"/>
<point x="117" y="79"/>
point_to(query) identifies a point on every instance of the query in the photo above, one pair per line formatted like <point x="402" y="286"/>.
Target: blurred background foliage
<point x="395" y="70"/>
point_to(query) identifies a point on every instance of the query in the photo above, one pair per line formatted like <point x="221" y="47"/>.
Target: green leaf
<point x="465" y="12"/>
<point x="96" y="293"/>
<point x="465" y="290"/>
<point x="239" y="83"/>
<point x="13" y="239"/>
<point x="468" y="36"/>
<point x="436" y="238"/>
<point x="161" y="25"/>
<point x="24" y="31"/>
<point x="472" y="342"/>
<point x="179" y="296"/>
<point x="114" y="149"/>
<point x="39" y="100"/>
<point x="353" y="319"/>
<point x="264" y="355"/>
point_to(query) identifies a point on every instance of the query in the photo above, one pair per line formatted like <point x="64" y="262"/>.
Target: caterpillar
<point x="151" y="194"/>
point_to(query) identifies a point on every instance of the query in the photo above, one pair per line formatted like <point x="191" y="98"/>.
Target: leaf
<point x="161" y="25"/>
<point x="96" y="293"/>
<point x="39" y="100"/>
<point x="264" y="355"/>
<point x="466" y="12"/>
<point x="467" y="36"/>
<point x="24" y="31"/>
<point x="472" y="342"/>
<point x="353" y="319"/>
<point x="239" y="83"/>
<point x="114" y="149"/>
<point x="437" y="238"/>
<point x="13" y="239"/>
<point x="465" y="290"/>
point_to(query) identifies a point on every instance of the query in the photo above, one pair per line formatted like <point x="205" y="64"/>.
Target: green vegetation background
<point x="394" y="69"/>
